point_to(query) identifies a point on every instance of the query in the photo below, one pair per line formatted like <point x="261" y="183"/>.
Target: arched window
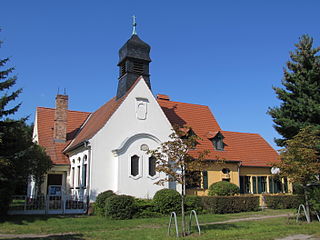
<point x="134" y="165"/>
<point x="152" y="166"/>
<point x="84" y="171"/>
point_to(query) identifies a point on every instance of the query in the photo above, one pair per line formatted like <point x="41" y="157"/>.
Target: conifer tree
<point x="19" y="156"/>
<point x="300" y="96"/>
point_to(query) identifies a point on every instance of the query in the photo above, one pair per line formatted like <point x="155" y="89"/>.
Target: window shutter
<point x="205" y="179"/>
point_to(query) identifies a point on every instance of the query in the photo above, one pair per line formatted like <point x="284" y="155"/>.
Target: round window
<point x="226" y="170"/>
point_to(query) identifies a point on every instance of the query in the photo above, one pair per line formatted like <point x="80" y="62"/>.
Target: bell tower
<point x="134" y="59"/>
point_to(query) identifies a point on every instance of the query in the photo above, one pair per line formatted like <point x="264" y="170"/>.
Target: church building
<point x="107" y="149"/>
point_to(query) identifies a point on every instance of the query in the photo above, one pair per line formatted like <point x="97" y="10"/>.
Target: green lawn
<point x="93" y="227"/>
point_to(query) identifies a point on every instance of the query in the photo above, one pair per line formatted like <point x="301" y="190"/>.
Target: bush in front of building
<point x="146" y="209"/>
<point x="223" y="188"/>
<point x="101" y="202"/>
<point x="120" y="207"/>
<point x="230" y="204"/>
<point x="282" y="201"/>
<point x="193" y="203"/>
<point x="167" y="200"/>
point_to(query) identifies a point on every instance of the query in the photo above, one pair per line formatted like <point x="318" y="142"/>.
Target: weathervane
<point x="134" y="25"/>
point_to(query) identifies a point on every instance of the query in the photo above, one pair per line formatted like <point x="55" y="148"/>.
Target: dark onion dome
<point x="135" y="48"/>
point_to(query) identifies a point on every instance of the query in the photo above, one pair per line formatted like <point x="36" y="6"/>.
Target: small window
<point x="152" y="166"/>
<point x="134" y="165"/>
<point x="78" y="172"/>
<point x="218" y="142"/>
<point x="72" y="177"/>
<point x="84" y="175"/>
<point x="225" y="170"/>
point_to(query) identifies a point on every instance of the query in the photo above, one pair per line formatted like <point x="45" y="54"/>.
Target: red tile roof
<point x="249" y="149"/>
<point x="45" y="123"/>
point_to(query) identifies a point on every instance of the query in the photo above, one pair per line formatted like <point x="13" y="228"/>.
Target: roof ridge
<point x="242" y="132"/>
<point x="183" y="103"/>
<point x="67" y="110"/>
<point x="117" y="103"/>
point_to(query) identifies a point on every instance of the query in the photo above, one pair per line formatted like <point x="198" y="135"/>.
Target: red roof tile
<point x="250" y="149"/>
<point x="45" y="123"/>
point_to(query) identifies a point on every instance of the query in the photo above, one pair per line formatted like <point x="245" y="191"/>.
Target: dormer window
<point x="218" y="142"/>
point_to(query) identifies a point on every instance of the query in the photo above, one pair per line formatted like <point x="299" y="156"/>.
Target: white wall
<point x="111" y="147"/>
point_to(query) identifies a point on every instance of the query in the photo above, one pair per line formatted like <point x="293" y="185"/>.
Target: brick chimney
<point x="60" y="118"/>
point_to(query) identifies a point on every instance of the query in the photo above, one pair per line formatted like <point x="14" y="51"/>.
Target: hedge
<point x="283" y="201"/>
<point x="120" y="207"/>
<point x="230" y="204"/>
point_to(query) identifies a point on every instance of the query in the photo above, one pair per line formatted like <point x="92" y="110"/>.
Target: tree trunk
<point x="183" y="217"/>
<point x="306" y="198"/>
<point x="183" y="233"/>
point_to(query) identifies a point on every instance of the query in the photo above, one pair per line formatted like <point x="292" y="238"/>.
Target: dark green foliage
<point x="101" y="202"/>
<point x="120" y="207"/>
<point x="230" y="204"/>
<point x="315" y="198"/>
<point x="193" y="203"/>
<point x="297" y="189"/>
<point x="300" y="96"/>
<point x="167" y="200"/>
<point x="146" y="208"/>
<point x="223" y="188"/>
<point x="283" y="201"/>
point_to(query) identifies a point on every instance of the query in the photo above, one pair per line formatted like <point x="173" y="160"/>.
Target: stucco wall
<point x="110" y="167"/>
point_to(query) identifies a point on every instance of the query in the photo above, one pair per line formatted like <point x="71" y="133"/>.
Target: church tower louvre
<point x="134" y="59"/>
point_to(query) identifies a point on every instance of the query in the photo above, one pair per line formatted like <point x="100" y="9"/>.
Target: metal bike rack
<point x="190" y="220"/>
<point x="305" y="213"/>
<point x="174" y="215"/>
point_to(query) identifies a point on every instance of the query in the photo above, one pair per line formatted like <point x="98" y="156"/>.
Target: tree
<point x="19" y="156"/>
<point x="300" y="96"/>
<point x="300" y="159"/>
<point x="178" y="156"/>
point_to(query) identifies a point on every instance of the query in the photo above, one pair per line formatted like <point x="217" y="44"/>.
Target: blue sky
<point x="224" y="54"/>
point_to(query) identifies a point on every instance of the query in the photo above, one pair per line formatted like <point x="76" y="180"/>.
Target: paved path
<point x="249" y="219"/>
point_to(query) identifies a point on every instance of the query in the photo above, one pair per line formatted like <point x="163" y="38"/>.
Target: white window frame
<point x="148" y="168"/>
<point x="140" y="167"/>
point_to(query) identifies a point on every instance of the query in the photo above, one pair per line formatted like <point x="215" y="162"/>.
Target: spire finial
<point x="134" y="25"/>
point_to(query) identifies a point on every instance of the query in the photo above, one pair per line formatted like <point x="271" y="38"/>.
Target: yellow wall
<point x="215" y="173"/>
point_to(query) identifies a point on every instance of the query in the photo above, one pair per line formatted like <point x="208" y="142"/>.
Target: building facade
<point x="107" y="149"/>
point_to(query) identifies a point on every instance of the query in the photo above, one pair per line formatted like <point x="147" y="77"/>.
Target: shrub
<point x="146" y="208"/>
<point x="315" y="198"/>
<point x="230" y="204"/>
<point x="223" y="188"/>
<point x="120" y="207"/>
<point x="193" y="203"/>
<point x="167" y="200"/>
<point x="283" y="201"/>
<point x="101" y="202"/>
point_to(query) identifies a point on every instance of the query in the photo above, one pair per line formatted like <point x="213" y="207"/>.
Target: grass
<point x="93" y="227"/>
